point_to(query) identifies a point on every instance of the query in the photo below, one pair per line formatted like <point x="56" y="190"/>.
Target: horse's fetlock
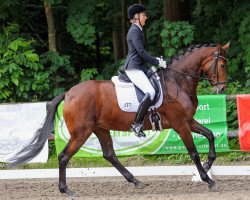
<point x="62" y="187"/>
<point x="203" y="176"/>
<point x="212" y="156"/>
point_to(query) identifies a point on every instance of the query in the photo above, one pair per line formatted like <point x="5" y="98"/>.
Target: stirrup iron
<point x="137" y="128"/>
<point x="155" y="120"/>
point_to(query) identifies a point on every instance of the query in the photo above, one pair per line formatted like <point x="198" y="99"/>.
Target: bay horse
<point x="92" y="106"/>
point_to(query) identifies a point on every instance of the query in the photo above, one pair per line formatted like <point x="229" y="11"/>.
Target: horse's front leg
<point x="198" y="128"/>
<point x="184" y="131"/>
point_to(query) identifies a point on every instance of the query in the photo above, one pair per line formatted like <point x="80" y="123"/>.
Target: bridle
<point x="216" y="57"/>
<point x="215" y="77"/>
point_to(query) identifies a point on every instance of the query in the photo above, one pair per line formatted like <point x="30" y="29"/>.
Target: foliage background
<point x="85" y="42"/>
<point x="88" y="42"/>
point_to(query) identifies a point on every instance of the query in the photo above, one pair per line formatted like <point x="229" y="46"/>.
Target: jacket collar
<point x="138" y="26"/>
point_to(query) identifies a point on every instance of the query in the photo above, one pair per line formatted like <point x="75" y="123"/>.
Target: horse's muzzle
<point x="219" y="89"/>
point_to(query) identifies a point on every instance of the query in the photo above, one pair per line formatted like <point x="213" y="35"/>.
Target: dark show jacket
<point x="137" y="55"/>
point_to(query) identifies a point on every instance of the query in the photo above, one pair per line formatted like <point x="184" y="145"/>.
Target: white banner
<point x="18" y="123"/>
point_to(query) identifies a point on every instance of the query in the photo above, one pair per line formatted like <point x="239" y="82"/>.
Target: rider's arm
<point x="138" y="44"/>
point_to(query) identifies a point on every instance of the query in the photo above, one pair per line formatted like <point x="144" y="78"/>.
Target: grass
<point x="228" y="158"/>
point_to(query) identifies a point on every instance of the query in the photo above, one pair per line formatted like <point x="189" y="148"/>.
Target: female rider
<point x="135" y="65"/>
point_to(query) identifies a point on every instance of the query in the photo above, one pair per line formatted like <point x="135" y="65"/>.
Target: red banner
<point x="243" y="107"/>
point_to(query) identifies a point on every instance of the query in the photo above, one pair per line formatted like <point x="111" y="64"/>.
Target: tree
<point x="124" y="27"/>
<point x="176" y="10"/>
<point x="51" y="26"/>
<point x="117" y="32"/>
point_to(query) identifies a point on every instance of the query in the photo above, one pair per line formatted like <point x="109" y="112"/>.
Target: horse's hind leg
<point x="184" y="132"/>
<point x="78" y="138"/>
<point x="109" y="154"/>
<point x="198" y="128"/>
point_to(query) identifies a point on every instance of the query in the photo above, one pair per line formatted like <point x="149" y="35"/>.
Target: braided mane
<point x="188" y="50"/>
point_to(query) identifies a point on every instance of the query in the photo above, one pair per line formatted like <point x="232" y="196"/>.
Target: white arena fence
<point x="137" y="171"/>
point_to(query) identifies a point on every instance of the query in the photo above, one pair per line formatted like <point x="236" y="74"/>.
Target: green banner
<point x="211" y="113"/>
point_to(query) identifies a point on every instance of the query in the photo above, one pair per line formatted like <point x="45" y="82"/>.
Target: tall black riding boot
<point x="137" y="126"/>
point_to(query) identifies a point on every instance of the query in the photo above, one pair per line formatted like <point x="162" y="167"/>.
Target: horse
<point x="92" y="106"/>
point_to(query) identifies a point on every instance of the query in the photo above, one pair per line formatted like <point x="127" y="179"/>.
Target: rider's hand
<point x="154" y="68"/>
<point x="162" y="63"/>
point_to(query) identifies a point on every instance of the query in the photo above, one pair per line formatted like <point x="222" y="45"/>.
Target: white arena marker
<point x="111" y="171"/>
<point x="196" y="176"/>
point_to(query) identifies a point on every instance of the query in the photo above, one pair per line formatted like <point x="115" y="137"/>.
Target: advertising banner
<point x="18" y="124"/>
<point x="243" y="107"/>
<point x="211" y="113"/>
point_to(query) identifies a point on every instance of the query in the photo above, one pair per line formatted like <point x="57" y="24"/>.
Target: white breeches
<point x="141" y="81"/>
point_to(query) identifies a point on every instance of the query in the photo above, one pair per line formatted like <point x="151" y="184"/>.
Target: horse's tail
<point x="41" y="136"/>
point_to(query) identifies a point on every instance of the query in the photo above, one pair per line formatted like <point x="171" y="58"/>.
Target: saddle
<point x="154" y="80"/>
<point x="129" y="96"/>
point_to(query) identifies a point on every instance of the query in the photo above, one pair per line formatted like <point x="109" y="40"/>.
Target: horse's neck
<point x="191" y="63"/>
<point x="191" y="66"/>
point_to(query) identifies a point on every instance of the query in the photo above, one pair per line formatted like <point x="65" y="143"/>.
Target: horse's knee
<point x="208" y="134"/>
<point x="211" y="136"/>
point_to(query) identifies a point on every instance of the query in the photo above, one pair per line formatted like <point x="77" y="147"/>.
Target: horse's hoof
<point x="206" y="166"/>
<point x="213" y="187"/>
<point x="68" y="192"/>
<point x="140" y="185"/>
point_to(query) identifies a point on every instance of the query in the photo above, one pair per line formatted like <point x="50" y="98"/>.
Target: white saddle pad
<point x="127" y="98"/>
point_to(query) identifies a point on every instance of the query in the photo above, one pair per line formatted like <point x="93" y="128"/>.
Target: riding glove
<point x="162" y="63"/>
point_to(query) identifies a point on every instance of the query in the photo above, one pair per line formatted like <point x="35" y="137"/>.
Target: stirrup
<point x="155" y="120"/>
<point x="141" y="134"/>
<point x="137" y="128"/>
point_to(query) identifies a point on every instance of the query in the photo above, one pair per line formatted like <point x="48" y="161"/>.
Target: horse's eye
<point x="222" y="65"/>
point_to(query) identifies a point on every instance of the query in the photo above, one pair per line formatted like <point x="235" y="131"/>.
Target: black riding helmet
<point x="135" y="8"/>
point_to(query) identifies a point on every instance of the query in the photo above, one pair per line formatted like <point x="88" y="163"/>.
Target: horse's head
<point x="214" y="67"/>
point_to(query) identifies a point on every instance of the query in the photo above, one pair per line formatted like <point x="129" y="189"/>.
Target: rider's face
<point x="143" y="18"/>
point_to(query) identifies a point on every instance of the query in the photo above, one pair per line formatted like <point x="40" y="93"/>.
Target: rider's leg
<point x="137" y="125"/>
<point x="141" y="81"/>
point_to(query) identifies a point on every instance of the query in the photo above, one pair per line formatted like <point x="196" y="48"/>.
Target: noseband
<point x="216" y="57"/>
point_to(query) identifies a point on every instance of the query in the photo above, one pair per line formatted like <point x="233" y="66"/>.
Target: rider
<point x="135" y="65"/>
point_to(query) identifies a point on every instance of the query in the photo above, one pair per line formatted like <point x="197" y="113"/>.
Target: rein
<point x="215" y="60"/>
<point x="185" y="74"/>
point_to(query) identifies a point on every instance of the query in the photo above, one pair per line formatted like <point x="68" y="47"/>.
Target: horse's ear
<point x="226" y="46"/>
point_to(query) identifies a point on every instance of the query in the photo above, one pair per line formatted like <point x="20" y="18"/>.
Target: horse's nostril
<point x="223" y="89"/>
